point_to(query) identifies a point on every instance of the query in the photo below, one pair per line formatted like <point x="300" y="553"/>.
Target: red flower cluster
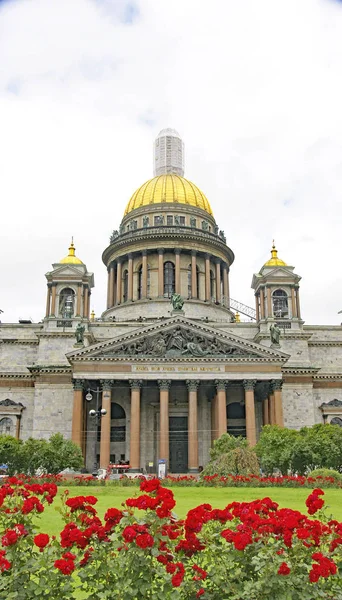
<point x="284" y="569"/>
<point x="324" y="568"/>
<point x="66" y="564"/>
<point x="162" y="502"/>
<point x="314" y="502"/>
<point x="82" y="503"/>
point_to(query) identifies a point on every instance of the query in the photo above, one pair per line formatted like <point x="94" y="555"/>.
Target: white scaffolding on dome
<point x="168" y="153"/>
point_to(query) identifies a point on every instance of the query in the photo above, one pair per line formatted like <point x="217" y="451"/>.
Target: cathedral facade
<point x="170" y="365"/>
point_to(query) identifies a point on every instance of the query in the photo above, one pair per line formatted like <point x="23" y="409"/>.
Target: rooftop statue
<point x="177" y="302"/>
<point x="79" y="333"/>
<point x="275" y="334"/>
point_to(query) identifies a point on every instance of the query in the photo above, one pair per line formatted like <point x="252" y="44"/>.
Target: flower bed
<point x="246" y="551"/>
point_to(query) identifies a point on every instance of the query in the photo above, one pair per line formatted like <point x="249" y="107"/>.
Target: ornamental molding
<point x="42" y="369"/>
<point x="288" y="335"/>
<point x="300" y="370"/>
<point x="15" y="376"/>
<point x="163" y="233"/>
<point x="337" y="343"/>
<point x="10" y="403"/>
<point x="32" y="342"/>
<point x="328" y="376"/>
<point x="178" y="339"/>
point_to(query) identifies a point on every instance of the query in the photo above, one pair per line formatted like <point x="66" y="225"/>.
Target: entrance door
<point x="178" y="444"/>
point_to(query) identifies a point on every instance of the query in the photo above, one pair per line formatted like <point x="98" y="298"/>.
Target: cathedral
<point x="170" y="365"/>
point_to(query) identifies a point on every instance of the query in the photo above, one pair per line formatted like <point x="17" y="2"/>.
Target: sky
<point x="255" y="90"/>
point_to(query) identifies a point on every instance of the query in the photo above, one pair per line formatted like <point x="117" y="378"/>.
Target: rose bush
<point x="246" y="551"/>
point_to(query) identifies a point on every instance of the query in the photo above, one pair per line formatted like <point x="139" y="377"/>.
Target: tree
<point x="274" y="448"/>
<point x="9" y="452"/>
<point x="61" y="454"/>
<point x="231" y="456"/>
<point x="31" y="456"/>
<point x="225" y="444"/>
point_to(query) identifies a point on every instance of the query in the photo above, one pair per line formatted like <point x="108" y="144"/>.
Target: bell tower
<point x="68" y="292"/>
<point x="276" y="290"/>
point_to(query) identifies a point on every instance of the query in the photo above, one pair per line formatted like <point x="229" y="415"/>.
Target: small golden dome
<point x="168" y="188"/>
<point x="71" y="259"/>
<point x="275" y="261"/>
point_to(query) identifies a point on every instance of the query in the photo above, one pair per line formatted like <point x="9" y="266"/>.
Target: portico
<point x="176" y="396"/>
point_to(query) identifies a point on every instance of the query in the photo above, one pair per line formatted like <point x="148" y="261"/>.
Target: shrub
<point x="327" y="474"/>
<point x="239" y="461"/>
<point x="247" y="550"/>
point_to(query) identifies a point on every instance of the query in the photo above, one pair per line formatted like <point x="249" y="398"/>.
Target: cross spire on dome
<point x="168" y="153"/>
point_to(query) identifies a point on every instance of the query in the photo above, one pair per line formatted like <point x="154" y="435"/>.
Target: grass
<point x="187" y="498"/>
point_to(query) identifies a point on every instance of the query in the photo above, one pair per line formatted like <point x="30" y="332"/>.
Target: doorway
<point x="178" y="435"/>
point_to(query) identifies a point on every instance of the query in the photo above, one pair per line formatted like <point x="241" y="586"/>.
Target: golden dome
<point x="71" y="259"/>
<point x="275" y="261"/>
<point x="168" y="188"/>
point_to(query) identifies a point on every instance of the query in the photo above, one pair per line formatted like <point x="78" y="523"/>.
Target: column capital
<point x="207" y="256"/>
<point x="144" y="253"/>
<point x="193" y="252"/>
<point x="135" y="384"/>
<point x="276" y="384"/>
<point x="249" y="384"/>
<point x="164" y="384"/>
<point x="107" y="384"/>
<point x="49" y="285"/>
<point x="221" y="384"/>
<point x="161" y="251"/>
<point x="78" y="384"/>
<point x="217" y="260"/>
<point x="119" y="260"/>
<point x="192" y="384"/>
<point x="177" y="251"/>
<point x="130" y="255"/>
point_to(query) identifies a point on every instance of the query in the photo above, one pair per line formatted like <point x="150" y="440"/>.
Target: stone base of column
<point x="174" y="313"/>
<point x="193" y="471"/>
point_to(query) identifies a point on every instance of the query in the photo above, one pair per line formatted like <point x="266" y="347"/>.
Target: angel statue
<point x="177" y="301"/>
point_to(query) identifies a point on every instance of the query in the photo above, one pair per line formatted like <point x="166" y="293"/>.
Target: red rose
<point x="284" y="569"/>
<point x="10" y="538"/>
<point x="144" y="540"/>
<point x="41" y="540"/>
<point x="66" y="566"/>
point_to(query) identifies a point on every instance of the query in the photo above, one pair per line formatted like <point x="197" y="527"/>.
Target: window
<point x="190" y="281"/>
<point x="280" y="304"/>
<point x="125" y="285"/>
<point x="212" y="284"/>
<point x="169" y="220"/>
<point x="6" y="426"/>
<point x="66" y="303"/>
<point x="182" y="220"/>
<point x="118" y="434"/>
<point x="140" y="283"/>
<point x="169" y="279"/>
<point x="117" y="412"/>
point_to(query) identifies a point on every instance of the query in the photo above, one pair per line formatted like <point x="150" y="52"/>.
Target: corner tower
<point x="276" y="290"/>
<point x="168" y="241"/>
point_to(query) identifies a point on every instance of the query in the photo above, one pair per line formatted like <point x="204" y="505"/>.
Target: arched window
<point x="118" y="428"/>
<point x="140" y="283"/>
<point x="336" y="421"/>
<point x="6" y="426"/>
<point x="66" y="303"/>
<point x="125" y="285"/>
<point x="169" y="279"/>
<point x="212" y="285"/>
<point x="280" y="304"/>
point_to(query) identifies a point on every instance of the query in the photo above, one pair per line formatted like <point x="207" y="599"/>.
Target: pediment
<point x="69" y="270"/>
<point x="281" y="272"/>
<point x="178" y="338"/>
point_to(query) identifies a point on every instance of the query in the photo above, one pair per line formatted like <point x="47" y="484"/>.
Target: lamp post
<point x="96" y="415"/>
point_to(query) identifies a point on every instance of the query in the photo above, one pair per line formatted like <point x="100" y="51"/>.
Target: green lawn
<point x="187" y="498"/>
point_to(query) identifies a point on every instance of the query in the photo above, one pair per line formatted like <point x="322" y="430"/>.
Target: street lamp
<point x="96" y="415"/>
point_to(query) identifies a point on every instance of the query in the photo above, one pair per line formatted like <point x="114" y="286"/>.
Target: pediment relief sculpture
<point x="176" y="343"/>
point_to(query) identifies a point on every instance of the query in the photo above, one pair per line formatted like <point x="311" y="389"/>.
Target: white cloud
<point x="254" y="89"/>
